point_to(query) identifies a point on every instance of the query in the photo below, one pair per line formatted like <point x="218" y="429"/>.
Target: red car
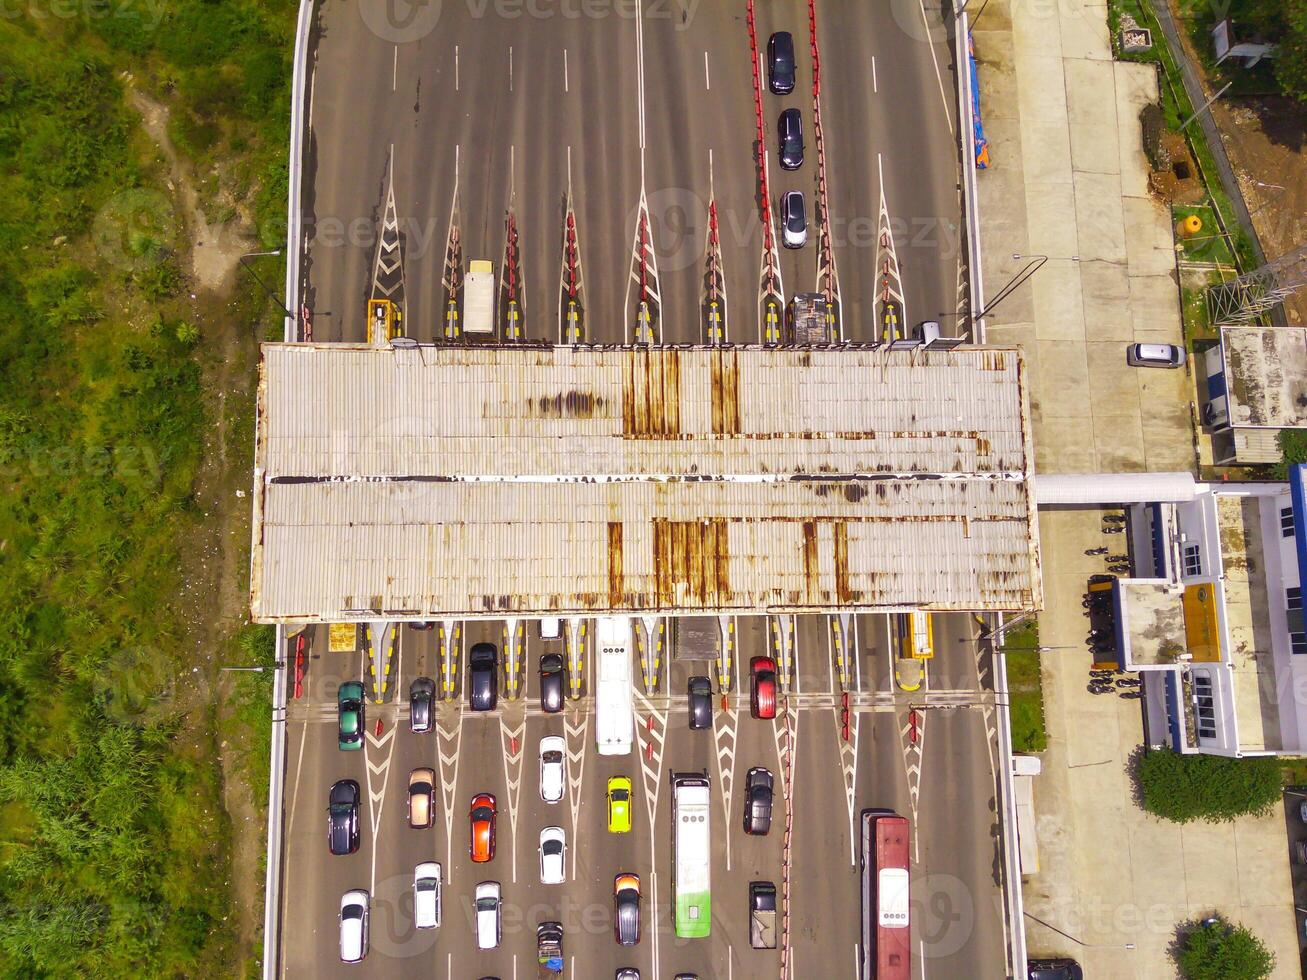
<point x="762" y="687"/>
<point x="483" y="827"/>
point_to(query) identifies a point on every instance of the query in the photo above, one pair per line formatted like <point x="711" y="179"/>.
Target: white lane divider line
<point x="512" y="739"/>
<point x="455" y="67"/>
<point x="874" y="88"/>
<point x="574" y="730"/>
<point x="707" y="81"/>
<point x="449" y="733"/>
<point x="725" y="727"/>
<point x="565" y="85"/>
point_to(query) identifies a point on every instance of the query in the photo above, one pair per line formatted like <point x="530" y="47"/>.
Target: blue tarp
<point x="981" y="144"/>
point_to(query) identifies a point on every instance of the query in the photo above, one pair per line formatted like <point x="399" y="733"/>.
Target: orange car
<point x="483" y="827"/>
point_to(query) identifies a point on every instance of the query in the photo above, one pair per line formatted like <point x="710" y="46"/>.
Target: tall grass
<point x="113" y="840"/>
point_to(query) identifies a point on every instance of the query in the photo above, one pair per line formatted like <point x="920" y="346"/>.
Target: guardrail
<point x="277" y="767"/>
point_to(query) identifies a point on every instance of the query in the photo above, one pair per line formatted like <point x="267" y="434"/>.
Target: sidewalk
<point x="1068" y="180"/>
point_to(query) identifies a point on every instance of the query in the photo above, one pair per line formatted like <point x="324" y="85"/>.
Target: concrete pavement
<point x="1068" y="180"/>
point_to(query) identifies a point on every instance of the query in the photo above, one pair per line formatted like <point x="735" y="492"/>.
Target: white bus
<point x="614" y="713"/>
<point x="691" y="837"/>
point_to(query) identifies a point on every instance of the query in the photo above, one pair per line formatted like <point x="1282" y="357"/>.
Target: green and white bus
<point x="691" y="898"/>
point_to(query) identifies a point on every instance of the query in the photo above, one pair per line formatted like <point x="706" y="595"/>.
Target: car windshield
<point x="553" y="757"/>
<point x="426" y="884"/>
<point x="351" y="912"/>
<point x="485" y="904"/>
<point x="553" y="847"/>
<point x="621" y="795"/>
<point x="481" y="813"/>
<point x="420" y="787"/>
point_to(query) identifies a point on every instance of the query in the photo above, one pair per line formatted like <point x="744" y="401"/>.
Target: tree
<point x="1217" y="950"/>
<point x="1213" y="788"/>
<point x="1285" y="23"/>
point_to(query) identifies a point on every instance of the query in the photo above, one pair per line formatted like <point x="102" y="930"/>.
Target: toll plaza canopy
<point x="485" y="481"/>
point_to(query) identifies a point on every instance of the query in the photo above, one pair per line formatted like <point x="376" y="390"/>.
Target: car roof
<point x="356" y="896"/>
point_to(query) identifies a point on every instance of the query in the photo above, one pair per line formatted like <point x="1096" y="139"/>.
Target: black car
<point x="700" y="691"/>
<point x="343" y="817"/>
<point x="757" y="801"/>
<point x="483" y="677"/>
<point x="780" y="63"/>
<point x="790" y="130"/>
<point x="1054" y="969"/>
<point x="421" y="696"/>
<point x="551" y="682"/>
<point x="626" y="909"/>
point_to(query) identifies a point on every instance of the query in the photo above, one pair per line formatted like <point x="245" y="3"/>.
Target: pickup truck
<point x="549" y="945"/>
<point x="762" y="915"/>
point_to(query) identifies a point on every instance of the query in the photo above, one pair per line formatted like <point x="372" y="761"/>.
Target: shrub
<point x="1213" y="788"/>
<point x="1217" y="950"/>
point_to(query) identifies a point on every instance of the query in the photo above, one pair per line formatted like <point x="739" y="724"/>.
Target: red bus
<point x="886" y="930"/>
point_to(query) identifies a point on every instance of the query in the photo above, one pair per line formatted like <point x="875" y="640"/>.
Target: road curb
<point x="1014" y="907"/>
<point x="277" y="764"/>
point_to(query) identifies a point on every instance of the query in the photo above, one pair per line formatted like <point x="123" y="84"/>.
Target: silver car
<point x="1154" y="355"/>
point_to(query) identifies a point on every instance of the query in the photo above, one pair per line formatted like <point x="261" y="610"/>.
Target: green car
<point x="349" y="715"/>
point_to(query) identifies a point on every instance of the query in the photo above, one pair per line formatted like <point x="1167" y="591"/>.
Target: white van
<point x="354" y="926"/>
<point x="426" y="895"/>
<point x="489" y="902"/>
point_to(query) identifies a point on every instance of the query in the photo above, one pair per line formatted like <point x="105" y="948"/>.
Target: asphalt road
<point x="493" y="106"/>
<point x="477" y="113"/>
<point x="944" y="783"/>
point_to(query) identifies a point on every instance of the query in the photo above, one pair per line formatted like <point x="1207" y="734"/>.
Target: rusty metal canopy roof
<point x="486" y="480"/>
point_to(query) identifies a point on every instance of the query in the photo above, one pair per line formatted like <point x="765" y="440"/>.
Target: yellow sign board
<point x="343" y="637"/>
<point x="1202" y="634"/>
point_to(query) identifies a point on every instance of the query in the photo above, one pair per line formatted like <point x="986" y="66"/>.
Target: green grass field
<point x="1025" y="687"/>
<point x="114" y="843"/>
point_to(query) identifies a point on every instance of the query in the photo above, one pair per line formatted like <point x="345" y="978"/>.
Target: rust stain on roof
<point x="615" y="582"/>
<point x="724" y="370"/>
<point x="651" y="394"/>
<point x="691" y="562"/>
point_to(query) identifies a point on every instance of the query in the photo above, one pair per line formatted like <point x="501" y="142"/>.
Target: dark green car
<point x="349" y="715"/>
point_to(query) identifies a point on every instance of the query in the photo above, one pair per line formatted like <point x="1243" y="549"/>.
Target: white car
<point x="426" y="895"/>
<point x="553" y="855"/>
<point x="354" y="925"/>
<point x="553" y="750"/>
<point x="489" y="900"/>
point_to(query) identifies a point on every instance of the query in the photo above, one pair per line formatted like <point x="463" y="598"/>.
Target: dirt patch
<point x="213" y="602"/>
<point x="1265" y="140"/>
<point x="215" y="248"/>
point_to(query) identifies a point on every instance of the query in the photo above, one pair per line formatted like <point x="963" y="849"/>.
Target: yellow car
<point x="619" y="805"/>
